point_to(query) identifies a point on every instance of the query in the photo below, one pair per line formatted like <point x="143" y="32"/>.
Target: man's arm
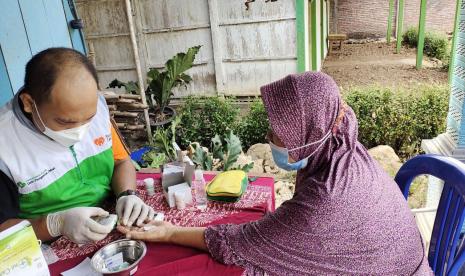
<point x="9" y="209"/>
<point x="124" y="176"/>
<point x="39" y="225"/>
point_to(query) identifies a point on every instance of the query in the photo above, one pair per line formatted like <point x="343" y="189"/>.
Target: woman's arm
<point x="166" y="232"/>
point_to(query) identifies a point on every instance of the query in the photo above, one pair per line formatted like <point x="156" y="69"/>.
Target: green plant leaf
<point x="154" y="158"/>
<point x="201" y="158"/>
<point x="181" y="62"/>
<point x="160" y="84"/>
<point x="158" y="160"/>
<point x="246" y="168"/>
<point x="162" y="143"/>
<point x="130" y="87"/>
<point x="217" y="148"/>
<point x="233" y="150"/>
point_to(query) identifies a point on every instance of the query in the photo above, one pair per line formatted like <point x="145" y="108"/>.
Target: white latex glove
<point x="131" y="208"/>
<point x="77" y="224"/>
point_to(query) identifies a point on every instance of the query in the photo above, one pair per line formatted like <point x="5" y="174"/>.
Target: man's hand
<point x="77" y="224"/>
<point x="131" y="208"/>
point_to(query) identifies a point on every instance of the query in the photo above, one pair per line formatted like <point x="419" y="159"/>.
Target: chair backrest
<point x="445" y="255"/>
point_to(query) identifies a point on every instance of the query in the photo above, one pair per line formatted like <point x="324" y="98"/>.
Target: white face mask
<point x="66" y="137"/>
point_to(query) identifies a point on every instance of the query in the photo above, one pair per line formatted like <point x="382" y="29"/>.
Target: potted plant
<point x="160" y="85"/>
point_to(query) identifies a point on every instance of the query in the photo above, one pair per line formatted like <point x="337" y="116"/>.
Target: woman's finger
<point x="136" y="235"/>
<point x="123" y="229"/>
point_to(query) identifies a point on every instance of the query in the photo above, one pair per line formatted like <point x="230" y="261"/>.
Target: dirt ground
<point x="377" y="64"/>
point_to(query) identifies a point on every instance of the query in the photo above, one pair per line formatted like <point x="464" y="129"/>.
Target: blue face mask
<point x="281" y="158"/>
<point x="281" y="155"/>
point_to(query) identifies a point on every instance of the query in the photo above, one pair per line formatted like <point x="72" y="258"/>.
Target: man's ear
<point x="28" y="102"/>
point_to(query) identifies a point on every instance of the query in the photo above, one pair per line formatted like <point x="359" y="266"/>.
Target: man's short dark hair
<point x="44" y="68"/>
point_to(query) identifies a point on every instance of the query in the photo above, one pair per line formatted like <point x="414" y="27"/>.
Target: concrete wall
<point x="242" y="49"/>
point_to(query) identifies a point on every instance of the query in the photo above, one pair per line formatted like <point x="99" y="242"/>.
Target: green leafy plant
<point x="160" y="84"/>
<point x="130" y="87"/>
<point x="436" y="44"/>
<point x="253" y="127"/>
<point x="410" y="37"/>
<point x="399" y="118"/>
<point x="201" y="158"/>
<point x="203" y="118"/>
<point x="154" y="160"/>
<point x="224" y="154"/>
<point x="162" y="146"/>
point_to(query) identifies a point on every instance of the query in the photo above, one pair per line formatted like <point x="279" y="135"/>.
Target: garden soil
<point x="377" y="63"/>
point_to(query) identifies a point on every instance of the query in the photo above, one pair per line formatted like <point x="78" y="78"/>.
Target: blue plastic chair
<point x="445" y="256"/>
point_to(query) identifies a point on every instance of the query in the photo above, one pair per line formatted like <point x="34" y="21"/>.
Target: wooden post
<point x="389" y="30"/>
<point x="421" y="34"/>
<point x="400" y="23"/>
<point x="217" y="47"/>
<point x="91" y="53"/>
<point x="454" y="41"/>
<point x="138" y="67"/>
<point x="141" y="38"/>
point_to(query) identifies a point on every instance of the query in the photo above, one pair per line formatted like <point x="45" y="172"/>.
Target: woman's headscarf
<point x="347" y="217"/>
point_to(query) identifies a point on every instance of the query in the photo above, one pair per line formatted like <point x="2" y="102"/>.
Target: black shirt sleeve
<point x="9" y="198"/>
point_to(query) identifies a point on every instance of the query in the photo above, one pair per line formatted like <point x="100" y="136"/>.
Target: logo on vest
<point x="32" y="180"/>
<point x="99" y="141"/>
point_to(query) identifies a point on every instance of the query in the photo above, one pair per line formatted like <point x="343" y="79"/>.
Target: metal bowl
<point x="133" y="253"/>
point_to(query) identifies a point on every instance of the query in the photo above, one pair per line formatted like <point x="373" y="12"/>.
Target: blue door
<point x="27" y="27"/>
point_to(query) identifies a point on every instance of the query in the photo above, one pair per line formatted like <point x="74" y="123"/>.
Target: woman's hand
<point x="154" y="231"/>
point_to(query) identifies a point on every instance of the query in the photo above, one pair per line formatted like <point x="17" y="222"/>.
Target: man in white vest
<point x="60" y="157"/>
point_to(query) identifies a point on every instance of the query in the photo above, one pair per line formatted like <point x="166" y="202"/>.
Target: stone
<point x="260" y="151"/>
<point x="242" y="160"/>
<point x="283" y="191"/>
<point x="278" y="185"/>
<point x="257" y="166"/>
<point x="269" y="169"/>
<point x="387" y="158"/>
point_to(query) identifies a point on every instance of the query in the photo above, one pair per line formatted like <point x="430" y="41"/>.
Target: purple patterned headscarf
<point x="347" y="216"/>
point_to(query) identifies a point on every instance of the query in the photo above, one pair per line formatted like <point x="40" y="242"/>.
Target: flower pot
<point x="168" y="115"/>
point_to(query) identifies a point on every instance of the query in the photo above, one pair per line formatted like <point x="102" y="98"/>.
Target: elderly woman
<point x="347" y="216"/>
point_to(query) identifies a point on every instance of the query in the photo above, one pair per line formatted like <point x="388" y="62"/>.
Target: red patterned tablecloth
<point x="258" y="199"/>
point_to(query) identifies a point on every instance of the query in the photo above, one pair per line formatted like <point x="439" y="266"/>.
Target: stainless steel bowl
<point x="133" y="253"/>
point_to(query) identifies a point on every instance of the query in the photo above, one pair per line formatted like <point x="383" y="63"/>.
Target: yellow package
<point x="228" y="184"/>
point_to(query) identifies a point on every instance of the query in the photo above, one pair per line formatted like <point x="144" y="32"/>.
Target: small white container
<point x="149" y="186"/>
<point x="179" y="200"/>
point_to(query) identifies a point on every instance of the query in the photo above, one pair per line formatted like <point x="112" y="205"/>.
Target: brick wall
<point x="366" y="18"/>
